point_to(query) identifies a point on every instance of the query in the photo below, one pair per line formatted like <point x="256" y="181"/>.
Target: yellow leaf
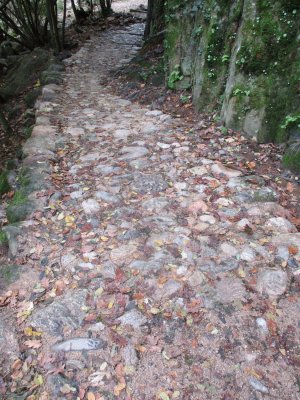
<point x="241" y="272"/>
<point x="37" y="84"/>
<point x="163" y="396"/>
<point x="29" y="332"/>
<point x="111" y="303"/>
<point x="104" y="238"/>
<point x="118" y="388"/>
<point x="38" y="380"/>
<point x="69" y="219"/>
<point x="154" y="310"/>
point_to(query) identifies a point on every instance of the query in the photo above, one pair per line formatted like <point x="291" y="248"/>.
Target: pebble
<point x="134" y="318"/>
<point x="258" y="385"/>
<point x="90" y="206"/>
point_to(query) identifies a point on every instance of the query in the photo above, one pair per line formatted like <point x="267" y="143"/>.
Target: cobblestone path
<point x="149" y="272"/>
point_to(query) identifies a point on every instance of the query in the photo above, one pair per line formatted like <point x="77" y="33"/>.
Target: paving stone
<point x="130" y="153"/>
<point x="148" y="183"/>
<point x="90" y="206"/>
<point x="123" y="255"/>
<point x="272" y="282"/>
<point x="134" y="318"/>
<point x="63" y="312"/>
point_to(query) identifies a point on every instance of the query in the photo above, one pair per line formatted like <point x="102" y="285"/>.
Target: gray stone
<point x="12" y="234"/>
<point x="258" y="385"/>
<point x="122" y="134"/>
<point x="90" y="206"/>
<point x="148" y="183"/>
<point x="123" y="255"/>
<point x="9" y="347"/>
<point x="75" y="131"/>
<point x="131" y="152"/>
<point x="272" y="282"/>
<point x="63" y="312"/>
<point x="156" y="204"/>
<point x="79" y="344"/>
<point x="56" y="383"/>
<point x="129" y="355"/>
<point x="107" y="197"/>
<point x="230" y="290"/>
<point x="220" y="169"/>
<point x="133" y="317"/>
<point x="280" y="225"/>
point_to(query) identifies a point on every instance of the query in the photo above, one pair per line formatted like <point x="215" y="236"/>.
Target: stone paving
<point x="152" y="273"/>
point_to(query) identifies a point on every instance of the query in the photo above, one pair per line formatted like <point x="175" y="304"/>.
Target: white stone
<point x="200" y="170"/>
<point x="280" y="225"/>
<point x="247" y="254"/>
<point x="220" y="169"/>
<point x="90" y="206"/>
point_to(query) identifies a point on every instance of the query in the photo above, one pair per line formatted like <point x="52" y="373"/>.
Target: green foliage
<point x="291" y="158"/>
<point x="291" y="120"/>
<point x="185" y="99"/>
<point x="174" y="77"/>
<point x="3" y="238"/>
<point x="241" y="92"/>
<point x="4" y="184"/>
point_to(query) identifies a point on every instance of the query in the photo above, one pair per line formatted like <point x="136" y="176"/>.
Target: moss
<point x="3" y="238"/>
<point x="269" y="39"/>
<point x="4" y="184"/>
<point x="9" y="274"/>
<point x="31" y="97"/>
<point x="19" y="207"/>
<point x="291" y="158"/>
<point x="292" y="161"/>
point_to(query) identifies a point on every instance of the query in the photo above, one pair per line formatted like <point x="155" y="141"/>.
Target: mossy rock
<point x="9" y="274"/>
<point x="19" y="207"/>
<point x="3" y="238"/>
<point x="48" y="77"/>
<point x="24" y="73"/>
<point x="4" y="184"/>
<point x="291" y="158"/>
<point x="30" y="97"/>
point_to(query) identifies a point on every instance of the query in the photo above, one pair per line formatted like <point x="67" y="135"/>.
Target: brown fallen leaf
<point x="33" y="344"/>
<point x="91" y="396"/>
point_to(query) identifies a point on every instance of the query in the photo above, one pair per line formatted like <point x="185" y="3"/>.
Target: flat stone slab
<point x="79" y="344"/>
<point x="65" y="311"/>
<point x="144" y="183"/>
<point x="132" y="152"/>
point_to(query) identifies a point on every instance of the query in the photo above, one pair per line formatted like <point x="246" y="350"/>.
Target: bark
<point x="155" y="18"/>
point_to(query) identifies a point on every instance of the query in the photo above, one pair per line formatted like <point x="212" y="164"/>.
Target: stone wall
<point x="240" y="58"/>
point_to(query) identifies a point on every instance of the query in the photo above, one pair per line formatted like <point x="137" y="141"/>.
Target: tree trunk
<point x="105" y="7"/>
<point x="155" y="18"/>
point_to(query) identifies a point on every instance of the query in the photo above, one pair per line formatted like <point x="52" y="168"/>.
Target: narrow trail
<point x="151" y="272"/>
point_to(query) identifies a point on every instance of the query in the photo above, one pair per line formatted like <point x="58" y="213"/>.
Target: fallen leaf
<point x="91" y="396"/>
<point x="38" y="380"/>
<point x="30" y="332"/>
<point x="293" y="250"/>
<point x="118" y="388"/>
<point x="33" y="344"/>
<point x="163" y="396"/>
